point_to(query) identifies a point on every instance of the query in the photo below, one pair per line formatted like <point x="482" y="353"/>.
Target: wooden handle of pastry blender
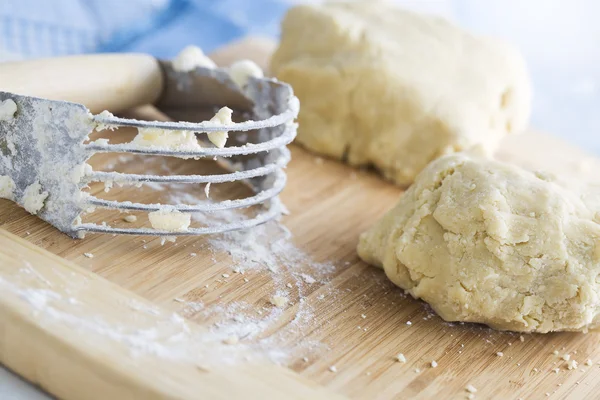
<point x="113" y="82"/>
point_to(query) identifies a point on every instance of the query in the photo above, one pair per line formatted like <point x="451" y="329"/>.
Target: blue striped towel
<point x="41" y="28"/>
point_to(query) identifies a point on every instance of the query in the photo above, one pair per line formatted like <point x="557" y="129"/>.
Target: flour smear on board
<point x="238" y="332"/>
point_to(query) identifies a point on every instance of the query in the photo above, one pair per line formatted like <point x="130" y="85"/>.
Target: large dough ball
<point x="484" y="241"/>
<point x="390" y="88"/>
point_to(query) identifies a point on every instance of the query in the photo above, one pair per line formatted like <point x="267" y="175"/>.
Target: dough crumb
<point x="470" y="388"/>
<point x="307" y="278"/>
<point x="169" y="219"/>
<point x="417" y="370"/>
<point x="521" y="338"/>
<point x="279" y="301"/>
<point x="400" y="358"/>
<point x="190" y="58"/>
<point x="167" y="139"/>
<point x="8" y="109"/>
<point x="34" y="198"/>
<point x="231" y="340"/>
<point x="130" y="218"/>
<point x="225" y="275"/>
<point x="434" y="364"/>
<point x="572" y="364"/>
<point x="193" y="254"/>
<point x="241" y="72"/>
<point x="7" y="187"/>
<point x="589" y="362"/>
<point x="305" y="359"/>
<point x="556" y="370"/>
<point x="179" y="300"/>
<point x="500" y="354"/>
<point x="363" y="316"/>
<point x="555" y="352"/>
<point x="88" y="255"/>
<point x="566" y="357"/>
<point x="165" y="239"/>
<point x="219" y="138"/>
<point x="333" y="368"/>
<point x="408" y="323"/>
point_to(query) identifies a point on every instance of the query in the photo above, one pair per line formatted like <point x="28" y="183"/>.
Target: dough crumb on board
<point x="130" y="218"/>
<point x="401" y="358"/>
<point x="231" y="340"/>
<point x="470" y="388"/>
<point x="279" y="301"/>
<point x="88" y="255"/>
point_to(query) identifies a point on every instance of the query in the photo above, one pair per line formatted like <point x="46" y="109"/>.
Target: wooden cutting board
<point x="105" y="326"/>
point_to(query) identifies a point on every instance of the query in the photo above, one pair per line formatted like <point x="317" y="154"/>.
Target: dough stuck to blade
<point x="394" y="89"/>
<point x="489" y="242"/>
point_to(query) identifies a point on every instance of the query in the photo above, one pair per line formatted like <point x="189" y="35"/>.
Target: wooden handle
<point x="113" y="82"/>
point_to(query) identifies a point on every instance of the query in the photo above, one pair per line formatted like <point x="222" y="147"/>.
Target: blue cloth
<point x="42" y="28"/>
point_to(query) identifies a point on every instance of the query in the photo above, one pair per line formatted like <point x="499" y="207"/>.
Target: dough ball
<point x="390" y="88"/>
<point x="489" y="242"/>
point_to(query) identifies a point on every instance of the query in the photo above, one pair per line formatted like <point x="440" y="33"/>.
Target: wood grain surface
<point x="358" y="321"/>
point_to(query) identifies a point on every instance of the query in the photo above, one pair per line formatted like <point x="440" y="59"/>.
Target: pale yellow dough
<point x="170" y="219"/>
<point x="386" y="87"/>
<point x="484" y="241"/>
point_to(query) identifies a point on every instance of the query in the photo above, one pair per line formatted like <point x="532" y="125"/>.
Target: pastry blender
<point x="44" y="147"/>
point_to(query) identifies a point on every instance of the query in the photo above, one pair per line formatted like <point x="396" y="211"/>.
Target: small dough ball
<point x="391" y="88"/>
<point x="241" y="71"/>
<point x="190" y="58"/>
<point x="488" y="242"/>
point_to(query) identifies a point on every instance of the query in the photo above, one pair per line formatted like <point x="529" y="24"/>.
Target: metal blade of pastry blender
<point x="42" y="146"/>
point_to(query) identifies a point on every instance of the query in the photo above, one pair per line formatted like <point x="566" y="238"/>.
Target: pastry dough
<point x="488" y="242"/>
<point x="386" y="87"/>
